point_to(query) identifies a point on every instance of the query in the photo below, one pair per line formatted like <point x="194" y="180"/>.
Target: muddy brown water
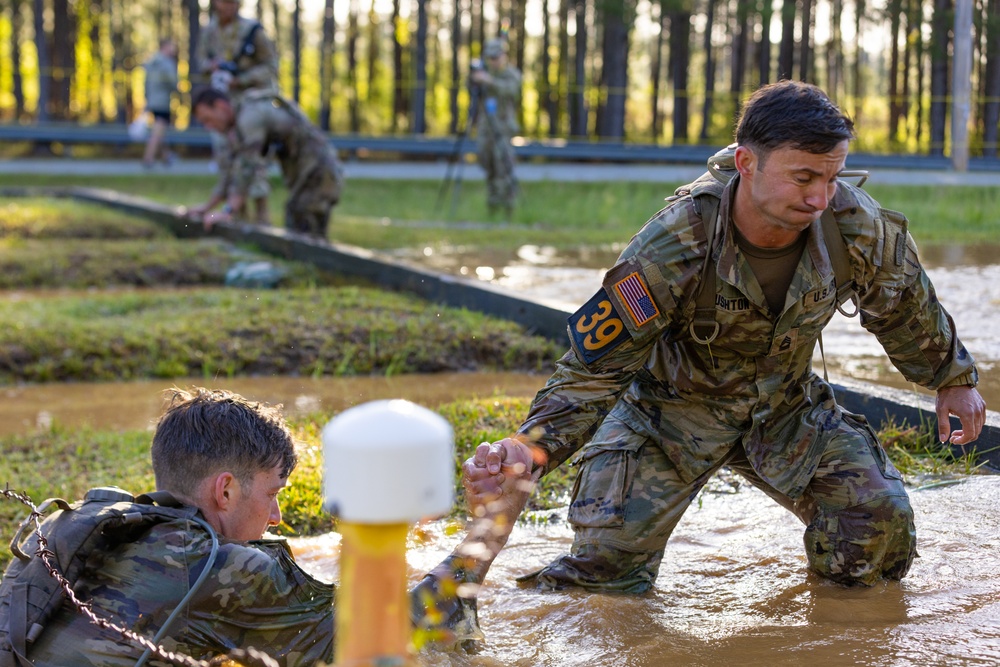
<point x="733" y="590"/>
<point x="137" y="405"/>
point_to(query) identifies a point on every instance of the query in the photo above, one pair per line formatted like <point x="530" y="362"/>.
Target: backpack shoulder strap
<point x="704" y="328"/>
<point x="839" y="259"/>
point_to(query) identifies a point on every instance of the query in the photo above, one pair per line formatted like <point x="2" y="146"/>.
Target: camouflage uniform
<point x="496" y="124"/>
<point x="663" y="412"/>
<point x="257" y="70"/>
<point x="311" y="170"/>
<point x="255" y="597"/>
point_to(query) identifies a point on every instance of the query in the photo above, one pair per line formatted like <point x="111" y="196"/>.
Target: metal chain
<point x="85" y="607"/>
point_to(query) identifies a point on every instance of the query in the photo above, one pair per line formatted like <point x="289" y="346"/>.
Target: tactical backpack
<point x="107" y="516"/>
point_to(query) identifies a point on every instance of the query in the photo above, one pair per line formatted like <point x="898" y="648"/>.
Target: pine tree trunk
<point x="456" y="73"/>
<point x="16" y="34"/>
<point x="326" y="71"/>
<point x="786" y="51"/>
<point x="940" y="63"/>
<point x="658" y="15"/>
<point x="806" y="69"/>
<point x="578" y="102"/>
<point x="764" y="46"/>
<point x="680" y="63"/>
<point x="297" y="51"/>
<point x="420" y="71"/>
<point x="352" y="66"/>
<point x="708" y="103"/>
<point x="991" y="109"/>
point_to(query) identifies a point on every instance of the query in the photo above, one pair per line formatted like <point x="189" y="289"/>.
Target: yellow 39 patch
<point x="597" y="328"/>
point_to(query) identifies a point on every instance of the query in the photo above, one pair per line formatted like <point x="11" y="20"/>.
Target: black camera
<point x="477" y="65"/>
<point x="229" y="66"/>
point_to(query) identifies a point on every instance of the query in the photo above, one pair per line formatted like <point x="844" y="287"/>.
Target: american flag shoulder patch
<point x="635" y="296"/>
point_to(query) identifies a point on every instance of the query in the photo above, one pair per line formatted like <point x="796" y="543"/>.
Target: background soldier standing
<point x="263" y="121"/>
<point x="236" y="56"/>
<point x="161" y="84"/>
<point x="499" y="87"/>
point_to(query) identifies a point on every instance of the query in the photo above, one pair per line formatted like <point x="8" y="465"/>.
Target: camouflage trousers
<point x="309" y="204"/>
<point x="496" y="157"/>
<point x="628" y="498"/>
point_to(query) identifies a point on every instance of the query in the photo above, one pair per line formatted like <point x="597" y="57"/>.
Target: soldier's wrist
<point x="970" y="378"/>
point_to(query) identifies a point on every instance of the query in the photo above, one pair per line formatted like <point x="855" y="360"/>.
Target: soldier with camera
<point x="235" y="56"/>
<point x="497" y="89"/>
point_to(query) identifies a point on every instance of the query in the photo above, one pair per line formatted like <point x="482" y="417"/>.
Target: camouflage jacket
<point x="267" y="123"/>
<point x="498" y="112"/>
<point x="257" y="70"/>
<point x="634" y="357"/>
<point x="256" y="596"/>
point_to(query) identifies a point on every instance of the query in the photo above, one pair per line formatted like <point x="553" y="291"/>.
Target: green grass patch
<point x="374" y="213"/>
<point x="67" y="462"/>
<point x="216" y="333"/>
<point x="34" y="218"/>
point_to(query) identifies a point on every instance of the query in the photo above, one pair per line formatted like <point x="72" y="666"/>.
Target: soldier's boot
<point x="599" y="568"/>
<point x="864" y="543"/>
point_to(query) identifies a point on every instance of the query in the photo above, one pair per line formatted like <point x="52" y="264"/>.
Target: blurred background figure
<point x="235" y="56"/>
<point x="499" y="88"/>
<point x="161" y="84"/>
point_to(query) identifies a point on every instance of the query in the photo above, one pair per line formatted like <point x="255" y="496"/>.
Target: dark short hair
<point x="792" y="114"/>
<point x="204" y="432"/>
<point x="206" y="95"/>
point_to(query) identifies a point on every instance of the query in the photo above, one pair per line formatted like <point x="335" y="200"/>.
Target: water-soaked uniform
<point x="496" y="124"/>
<point x="268" y="122"/>
<point x="256" y="68"/>
<point x="662" y="412"/>
<point x="256" y="596"/>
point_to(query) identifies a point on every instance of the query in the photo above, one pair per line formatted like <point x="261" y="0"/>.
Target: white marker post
<point x="387" y="464"/>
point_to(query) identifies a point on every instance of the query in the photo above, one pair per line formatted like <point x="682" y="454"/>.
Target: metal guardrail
<point x="444" y="147"/>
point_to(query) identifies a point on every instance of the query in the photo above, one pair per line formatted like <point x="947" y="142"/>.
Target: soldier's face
<point x="217" y="116"/>
<point x="255" y="506"/>
<point x="790" y="188"/>
<point x="226" y="10"/>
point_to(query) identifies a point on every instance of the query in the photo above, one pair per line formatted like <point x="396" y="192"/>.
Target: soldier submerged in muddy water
<point x="697" y="354"/>
<point x="262" y="123"/>
<point x="498" y="86"/>
<point x="194" y="572"/>
<point x="235" y="55"/>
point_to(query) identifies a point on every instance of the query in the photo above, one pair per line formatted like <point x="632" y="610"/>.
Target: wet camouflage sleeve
<point x="578" y="396"/>
<point x="256" y="596"/>
<point x="899" y="304"/>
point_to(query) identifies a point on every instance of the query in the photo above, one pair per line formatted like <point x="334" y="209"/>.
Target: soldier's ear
<point x="745" y="160"/>
<point x="225" y="490"/>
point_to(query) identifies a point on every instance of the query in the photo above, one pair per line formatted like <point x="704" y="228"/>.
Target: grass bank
<point x="379" y="214"/>
<point x="315" y="325"/>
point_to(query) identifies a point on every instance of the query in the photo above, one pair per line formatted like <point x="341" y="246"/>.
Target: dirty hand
<point x="495" y="469"/>
<point x="966" y="404"/>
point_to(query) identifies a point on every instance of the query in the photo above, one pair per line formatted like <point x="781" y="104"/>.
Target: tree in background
<point x="618" y="70"/>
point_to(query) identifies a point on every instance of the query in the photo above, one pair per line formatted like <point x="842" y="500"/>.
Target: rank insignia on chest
<point x="597" y="328"/>
<point x="635" y="296"/>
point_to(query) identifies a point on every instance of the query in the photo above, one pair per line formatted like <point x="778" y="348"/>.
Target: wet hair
<point x="795" y="115"/>
<point x="204" y="432"/>
<point x="206" y="95"/>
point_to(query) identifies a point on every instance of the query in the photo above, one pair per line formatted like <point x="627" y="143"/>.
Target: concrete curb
<point x="877" y="403"/>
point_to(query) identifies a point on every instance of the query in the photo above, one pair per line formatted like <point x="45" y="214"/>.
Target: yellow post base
<point x="373" y="608"/>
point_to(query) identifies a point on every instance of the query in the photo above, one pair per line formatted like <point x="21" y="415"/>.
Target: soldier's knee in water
<point x="864" y="543"/>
